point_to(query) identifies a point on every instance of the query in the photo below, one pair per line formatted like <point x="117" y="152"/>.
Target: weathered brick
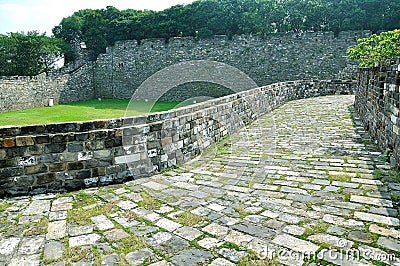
<point x="54" y="148"/>
<point x="94" y="145"/>
<point x="35" y="150"/>
<point x="99" y="134"/>
<point x="24" y="181"/>
<point x="86" y="126"/>
<point x="61" y="138"/>
<point x="48" y="158"/>
<point x="74" y="184"/>
<point x="16" y="152"/>
<point x="9" y="143"/>
<point x="75" y="166"/>
<point x="100" y="171"/>
<point x="99" y="124"/>
<point x="64" y="127"/>
<point x="27" y="161"/>
<point x="102" y="153"/>
<point x="113" y="143"/>
<point x="45" y="178"/>
<point x="57" y="167"/>
<point x="42" y="139"/>
<point x="36" y="129"/>
<point x="8" y="163"/>
<point x="35" y="169"/>
<point x="85" y="155"/>
<point x="11" y="172"/>
<point x="3" y="154"/>
<point x="165" y="141"/>
<point x="75" y="147"/>
<point x="82" y="136"/>
<point x="24" y="141"/>
<point x="83" y="174"/>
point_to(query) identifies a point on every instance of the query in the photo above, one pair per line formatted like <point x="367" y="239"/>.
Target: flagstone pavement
<point x="302" y="185"/>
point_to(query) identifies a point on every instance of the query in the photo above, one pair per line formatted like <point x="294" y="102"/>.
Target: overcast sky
<point x="43" y="15"/>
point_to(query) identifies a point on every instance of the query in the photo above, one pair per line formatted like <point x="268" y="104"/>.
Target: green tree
<point x="102" y="27"/>
<point x="376" y="48"/>
<point x="28" y="54"/>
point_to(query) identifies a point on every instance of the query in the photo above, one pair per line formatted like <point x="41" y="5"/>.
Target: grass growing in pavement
<point x="75" y="254"/>
<point x="82" y="199"/>
<point x="82" y="111"/>
<point x="253" y="260"/>
<point x="82" y="216"/>
<point x="4" y="206"/>
<point x="242" y="212"/>
<point x="149" y="202"/>
<point x="129" y="244"/>
<point x="188" y="218"/>
<point x="320" y="227"/>
<point x="40" y="228"/>
<point x="341" y="178"/>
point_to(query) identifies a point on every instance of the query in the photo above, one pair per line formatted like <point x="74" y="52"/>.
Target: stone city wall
<point x="18" y="93"/>
<point x="121" y="70"/>
<point x="67" y="156"/>
<point x="377" y="103"/>
<point x="276" y="58"/>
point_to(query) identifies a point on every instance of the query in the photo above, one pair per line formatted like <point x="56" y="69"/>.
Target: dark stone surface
<point x="54" y="148"/>
<point x="75" y="147"/>
<point x="45" y="178"/>
<point x="75" y="166"/>
<point x="377" y="104"/>
<point x="11" y="172"/>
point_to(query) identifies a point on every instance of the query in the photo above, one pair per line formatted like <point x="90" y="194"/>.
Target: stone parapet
<point x="377" y="103"/>
<point x="68" y="156"/>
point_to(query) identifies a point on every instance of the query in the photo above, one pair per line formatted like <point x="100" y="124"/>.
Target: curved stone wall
<point x="59" y="157"/>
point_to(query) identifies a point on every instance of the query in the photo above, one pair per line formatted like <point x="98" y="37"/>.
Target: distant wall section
<point x="293" y="56"/>
<point x="17" y="93"/>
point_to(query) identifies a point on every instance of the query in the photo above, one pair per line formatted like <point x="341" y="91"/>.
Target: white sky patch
<point x="43" y="15"/>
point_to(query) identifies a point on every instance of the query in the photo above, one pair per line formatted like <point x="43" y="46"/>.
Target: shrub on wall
<point x="376" y="48"/>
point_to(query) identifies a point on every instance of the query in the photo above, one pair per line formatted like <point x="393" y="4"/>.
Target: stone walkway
<point x="300" y="186"/>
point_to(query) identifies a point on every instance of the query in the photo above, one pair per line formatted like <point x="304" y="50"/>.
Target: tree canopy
<point x="33" y="53"/>
<point x="28" y="54"/>
<point x="376" y="48"/>
<point x="102" y="27"/>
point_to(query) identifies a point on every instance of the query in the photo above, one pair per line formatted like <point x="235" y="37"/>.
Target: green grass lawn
<point x="81" y="111"/>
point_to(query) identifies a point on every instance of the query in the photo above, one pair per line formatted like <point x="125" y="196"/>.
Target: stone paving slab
<point x="302" y="185"/>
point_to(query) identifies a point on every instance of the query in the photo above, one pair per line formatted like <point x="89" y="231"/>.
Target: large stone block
<point x="27" y="161"/>
<point x="54" y="148"/>
<point x="24" y="181"/>
<point x="36" y="169"/>
<point x="75" y="166"/>
<point x="11" y="172"/>
<point x="45" y="178"/>
<point x="24" y="141"/>
<point x="57" y="167"/>
<point x="8" y="143"/>
<point x="84" y="174"/>
<point x="42" y="139"/>
<point x="75" y="147"/>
